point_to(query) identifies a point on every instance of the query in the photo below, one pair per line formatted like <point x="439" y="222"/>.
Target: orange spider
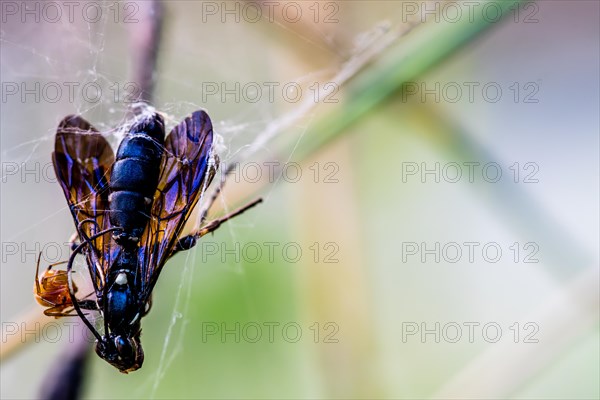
<point x="52" y="290"/>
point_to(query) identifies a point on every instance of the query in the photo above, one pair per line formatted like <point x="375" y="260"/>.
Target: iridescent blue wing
<point x="82" y="160"/>
<point x="185" y="173"/>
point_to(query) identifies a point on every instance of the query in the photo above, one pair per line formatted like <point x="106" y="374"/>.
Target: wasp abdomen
<point x="134" y="179"/>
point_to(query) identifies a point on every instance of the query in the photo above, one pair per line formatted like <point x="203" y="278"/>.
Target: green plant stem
<point x="411" y="56"/>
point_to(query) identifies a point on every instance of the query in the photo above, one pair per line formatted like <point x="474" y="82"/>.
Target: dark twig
<point x="145" y="41"/>
<point x="64" y="381"/>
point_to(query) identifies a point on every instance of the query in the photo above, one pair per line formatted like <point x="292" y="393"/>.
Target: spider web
<point x="76" y="61"/>
<point x="196" y="52"/>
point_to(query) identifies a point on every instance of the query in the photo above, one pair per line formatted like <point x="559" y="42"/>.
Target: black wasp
<point x="129" y="211"/>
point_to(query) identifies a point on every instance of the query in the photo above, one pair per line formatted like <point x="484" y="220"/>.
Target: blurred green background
<point x="352" y="313"/>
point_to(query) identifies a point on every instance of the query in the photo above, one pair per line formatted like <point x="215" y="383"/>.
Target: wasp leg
<point x="189" y="241"/>
<point x="204" y="211"/>
<point x="74" y="241"/>
<point x="88" y="305"/>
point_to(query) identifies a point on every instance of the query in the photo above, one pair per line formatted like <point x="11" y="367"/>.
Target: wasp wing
<point x="185" y="173"/>
<point x="82" y="160"/>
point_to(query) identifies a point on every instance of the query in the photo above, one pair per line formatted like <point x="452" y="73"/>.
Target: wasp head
<point x="124" y="353"/>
